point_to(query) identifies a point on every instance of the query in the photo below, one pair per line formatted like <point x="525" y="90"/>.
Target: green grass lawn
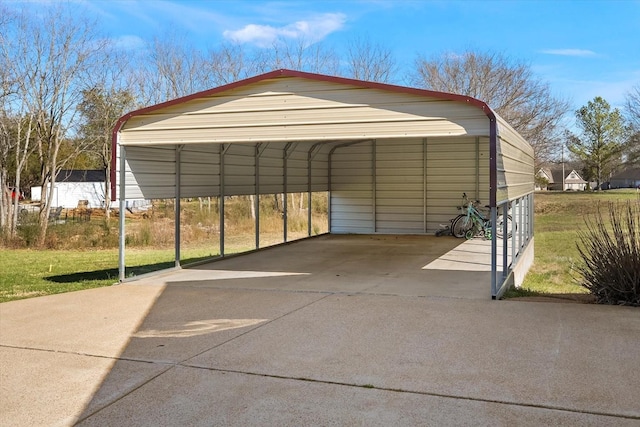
<point x="558" y="218"/>
<point x="28" y="273"/>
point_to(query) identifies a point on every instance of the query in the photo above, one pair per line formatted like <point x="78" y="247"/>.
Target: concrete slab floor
<point x="397" y="265"/>
<point x="301" y="336"/>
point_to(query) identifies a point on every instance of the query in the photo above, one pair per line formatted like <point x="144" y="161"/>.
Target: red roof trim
<point x="310" y="76"/>
<point x="290" y="73"/>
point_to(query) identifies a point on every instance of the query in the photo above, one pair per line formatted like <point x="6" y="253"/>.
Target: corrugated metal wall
<point x="515" y="165"/>
<point x="454" y="166"/>
<point x="296" y="109"/>
<point x="151" y="170"/>
<point x="396" y="182"/>
<point x="409" y="185"/>
<point x="405" y="186"/>
<point x="400" y="186"/>
<point x="351" y="189"/>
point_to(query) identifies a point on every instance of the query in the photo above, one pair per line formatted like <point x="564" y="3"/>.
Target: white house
<point x="572" y="181"/>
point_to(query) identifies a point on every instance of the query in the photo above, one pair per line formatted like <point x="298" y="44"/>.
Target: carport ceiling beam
<point x="289" y="149"/>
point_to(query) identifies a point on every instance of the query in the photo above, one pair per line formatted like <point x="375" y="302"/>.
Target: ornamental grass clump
<point x="611" y="254"/>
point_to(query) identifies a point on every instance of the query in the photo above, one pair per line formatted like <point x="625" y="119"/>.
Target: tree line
<point x="64" y="84"/>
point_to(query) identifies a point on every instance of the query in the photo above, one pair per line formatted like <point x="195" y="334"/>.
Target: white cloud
<point x="569" y="52"/>
<point x="311" y="30"/>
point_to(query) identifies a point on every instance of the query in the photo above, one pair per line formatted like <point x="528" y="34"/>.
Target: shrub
<point x="611" y="254"/>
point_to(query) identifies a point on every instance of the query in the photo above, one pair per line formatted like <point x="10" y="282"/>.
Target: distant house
<point x="72" y="186"/>
<point x="628" y="178"/>
<point x="553" y="178"/>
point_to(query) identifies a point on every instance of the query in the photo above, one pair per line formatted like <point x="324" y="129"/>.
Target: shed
<point x="393" y="159"/>
<point x="72" y="186"/>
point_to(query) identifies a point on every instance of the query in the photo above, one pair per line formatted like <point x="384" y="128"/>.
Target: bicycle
<point x="475" y="223"/>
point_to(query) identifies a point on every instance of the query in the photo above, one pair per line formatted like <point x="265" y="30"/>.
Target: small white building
<point x="74" y="185"/>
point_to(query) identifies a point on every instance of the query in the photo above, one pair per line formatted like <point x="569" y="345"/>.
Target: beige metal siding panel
<point x="395" y="198"/>
<point x="515" y="164"/>
<point x="453" y="166"/>
<point x="306" y="132"/>
<point x="296" y="109"/>
<point x="351" y="189"/>
<point x="150" y="173"/>
<point x="236" y="119"/>
<point x="270" y="170"/>
<point x="297" y="169"/>
<point x="239" y="170"/>
<point x="200" y="171"/>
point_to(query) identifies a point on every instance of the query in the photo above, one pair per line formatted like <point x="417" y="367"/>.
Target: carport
<point x="394" y="160"/>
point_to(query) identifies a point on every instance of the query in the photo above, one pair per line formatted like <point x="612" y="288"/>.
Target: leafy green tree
<point x="100" y="109"/>
<point x="601" y="139"/>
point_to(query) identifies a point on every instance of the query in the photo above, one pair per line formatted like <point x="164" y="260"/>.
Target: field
<point x="84" y="254"/>
<point x="87" y="255"/>
<point x="558" y="218"/>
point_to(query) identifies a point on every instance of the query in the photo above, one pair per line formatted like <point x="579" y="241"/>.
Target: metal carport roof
<point x="293" y="122"/>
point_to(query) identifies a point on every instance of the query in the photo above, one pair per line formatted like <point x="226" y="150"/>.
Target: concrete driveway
<point x="280" y="343"/>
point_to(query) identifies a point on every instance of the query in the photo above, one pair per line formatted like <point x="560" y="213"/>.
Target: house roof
<point x="81" y="175"/>
<point x="629" y="173"/>
<point x="555" y="175"/>
<point x="570" y="180"/>
<point x="548" y="173"/>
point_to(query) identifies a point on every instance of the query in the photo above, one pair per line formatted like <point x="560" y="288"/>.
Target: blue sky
<point x="582" y="48"/>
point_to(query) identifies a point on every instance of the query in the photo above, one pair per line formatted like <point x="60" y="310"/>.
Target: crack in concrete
<point x="417" y="392"/>
<point x="183" y="364"/>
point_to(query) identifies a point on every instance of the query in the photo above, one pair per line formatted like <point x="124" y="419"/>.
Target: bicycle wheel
<point x="500" y="226"/>
<point x="461" y="225"/>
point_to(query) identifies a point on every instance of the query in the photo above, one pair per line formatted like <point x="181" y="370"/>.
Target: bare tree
<point x="370" y="61"/>
<point x="299" y="54"/>
<point x="172" y="68"/>
<point x="101" y="108"/>
<point x="54" y="54"/>
<point x="17" y="123"/>
<point x="6" y="88"/>
<point x="632" y="113"/>
<point x="228" y="63"/>
<point x="508" y="86"/>
<point x="632" y="107"/>
<point x="231" y="62"/>
<point x="107" y="97"/>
